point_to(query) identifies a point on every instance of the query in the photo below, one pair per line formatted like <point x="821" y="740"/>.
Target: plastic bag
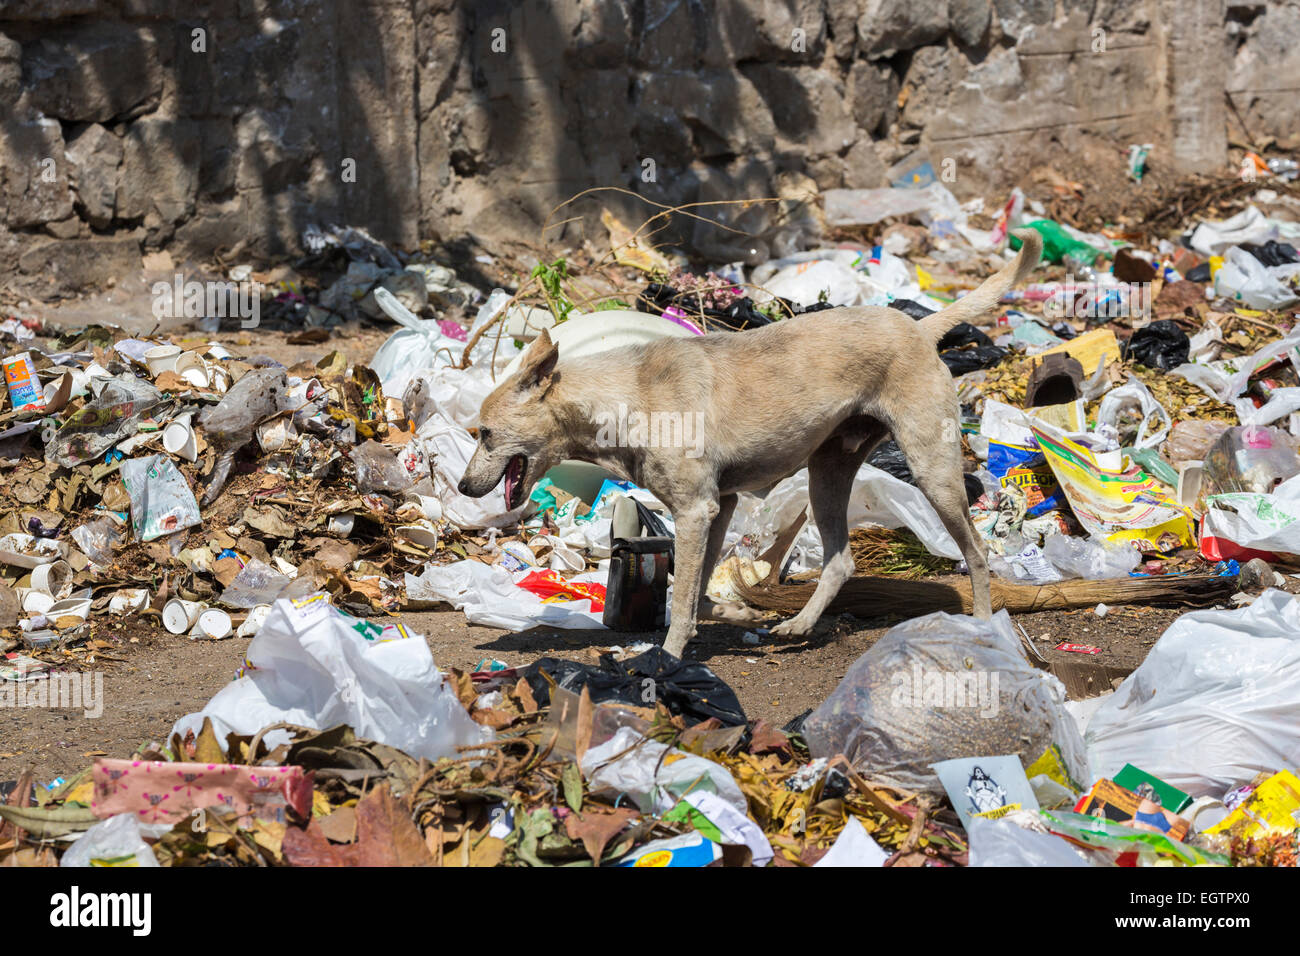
<point x="1135" y="393"/>
<point x="1090" y="558"/>
<point x="635" y="765"/>
<point x="256" y="583"/>
<point x="258" y="395"/>
<point x="116" y="841"/>
<point x="1248" y="459"/>
<point x="1214" y="702"/>
<point x="161" y="499"/>
<point x="1216" y="238"/>
<point x="820" y="280"/>
<point x="939" y="687"/>
<point x="96" y="540"/>
<point x="421" y="344"/>
<point x="113" y="415"/>
<point x="1245" y="279"/>
<point x="1252" y="525"/>
<point x="313" y="665"/>
<point x="686" y="688"/>
<point x="489" y="596"/>
<point x="877" y="498"/>
<point x="1161" y="344"/>
<point x="378" y="469"/>
<point x="1191" y="439"/>
<point x="1004" y="843"/>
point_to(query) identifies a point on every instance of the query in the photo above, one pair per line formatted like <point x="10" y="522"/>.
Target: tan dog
<point x="820" y="389"/>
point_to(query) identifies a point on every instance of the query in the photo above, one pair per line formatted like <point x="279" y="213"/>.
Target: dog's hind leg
<point x="931" y="443"/>
<point x="693" y="523"/>
<point x="831" y="469"/>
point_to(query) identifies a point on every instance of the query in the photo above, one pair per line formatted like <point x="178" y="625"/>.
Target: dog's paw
<point x="795" y="627"/>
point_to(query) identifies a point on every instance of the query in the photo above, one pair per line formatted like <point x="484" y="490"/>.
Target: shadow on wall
<point x="211" y="131"/>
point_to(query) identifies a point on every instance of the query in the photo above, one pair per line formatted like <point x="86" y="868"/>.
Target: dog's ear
<point x="539" y="363"/>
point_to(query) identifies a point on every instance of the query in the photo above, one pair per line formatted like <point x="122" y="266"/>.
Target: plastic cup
<point x="179" y="616"/>
<point x="178" y="439"/>
<point x="50" y="578"/>
<point x="212" y="623"/>
<point x="193" y="369"/>
<point x="161" y="358"/>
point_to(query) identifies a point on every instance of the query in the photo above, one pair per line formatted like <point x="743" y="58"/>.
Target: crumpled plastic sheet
<point x="488" y="596"/>
<point x="1214" y="702"/>
<point x="452" y="401"/>
<point x="1003" y="843"/>
<point x="313" y="665"/>
<point x="877" y="498"/>
<point x="632" y="764"/>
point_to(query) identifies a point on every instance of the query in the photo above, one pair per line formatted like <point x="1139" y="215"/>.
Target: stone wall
<point x="227" y="127"/>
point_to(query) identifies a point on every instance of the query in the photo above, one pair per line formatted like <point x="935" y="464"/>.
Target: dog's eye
<point x="485" y="435"/>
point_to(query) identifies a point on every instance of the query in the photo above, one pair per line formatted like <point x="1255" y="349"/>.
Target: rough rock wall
<point x="228" y="125"/>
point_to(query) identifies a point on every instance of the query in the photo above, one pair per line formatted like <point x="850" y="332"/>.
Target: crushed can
<point x="636" y="594"/>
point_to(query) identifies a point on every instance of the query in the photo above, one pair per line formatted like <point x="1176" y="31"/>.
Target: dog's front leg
<point x="692" y="528"/>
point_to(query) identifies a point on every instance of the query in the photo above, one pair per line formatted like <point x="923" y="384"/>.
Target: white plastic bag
<point x="1003" y="843"/>
<point x="116" y="841"/>
<point x="313" y="665"/>
<point x="1245" y="279"/>
<point x="161" y="499"/>
<point x="1214" y="702"/>
<point x="878" y="498"/>
<point x="939" y="687"/>
<point x="1150" y="433"/>
<point x="488" y="596"/>
<point x="421" y="345"/>
<point x="632" y="764"/>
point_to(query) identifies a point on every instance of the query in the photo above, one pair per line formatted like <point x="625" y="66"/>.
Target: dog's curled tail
<point x="986" y="297"/>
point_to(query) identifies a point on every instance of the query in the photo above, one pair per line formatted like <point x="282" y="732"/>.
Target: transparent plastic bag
<point x="1090" y="558"/>
<point x="1004" y="843"/>
<point x="939" y="687"/>
<point x="1250" y="459"/>
<point x="161" y="499"/>
<point x="1191" y="439"/>
<point x="256" y="583"/>
<point x="379" y="470"/>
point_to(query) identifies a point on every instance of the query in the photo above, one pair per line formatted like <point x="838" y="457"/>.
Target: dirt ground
<point x="161" y="677"/>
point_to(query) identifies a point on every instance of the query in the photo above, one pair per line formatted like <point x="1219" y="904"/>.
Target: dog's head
<point x="519" y="438"/>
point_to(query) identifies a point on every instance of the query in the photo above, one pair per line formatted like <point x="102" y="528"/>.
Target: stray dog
<point x="821" y="389"/>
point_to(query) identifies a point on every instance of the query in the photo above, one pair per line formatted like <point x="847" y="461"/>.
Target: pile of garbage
<point x="343" y="744"/>
<point x="1130" y="417"/>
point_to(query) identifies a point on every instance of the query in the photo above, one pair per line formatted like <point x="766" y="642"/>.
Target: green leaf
<point x="571" y="778"/>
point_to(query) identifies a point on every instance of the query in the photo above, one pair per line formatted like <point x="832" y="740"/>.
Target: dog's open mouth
<point x="515" y="489"/>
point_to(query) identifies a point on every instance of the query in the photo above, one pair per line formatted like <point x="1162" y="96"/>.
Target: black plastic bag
<point x="888" y="457"/>
<point x="1273" y="253"/>
<point x="963" y="333"/>
<point x="687" y="688"/>
<point x="961" y="361"/>
<point x="741" y="314"/>
<point x="1160" y="345"/>
<point x="909" y="307"/>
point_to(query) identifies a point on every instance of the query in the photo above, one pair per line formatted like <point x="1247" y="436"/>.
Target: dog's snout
<point x="463" y="486"/>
